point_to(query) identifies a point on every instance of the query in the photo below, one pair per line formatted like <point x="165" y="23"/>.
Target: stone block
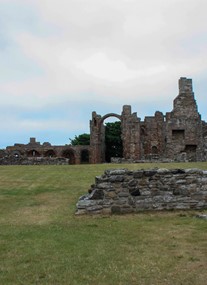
<point x="116" y="178"/>
<point x="111" y="172"/>
<point x="116" y="209"/>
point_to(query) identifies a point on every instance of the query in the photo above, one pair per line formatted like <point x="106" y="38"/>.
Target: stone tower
<point x="184" y="125"/>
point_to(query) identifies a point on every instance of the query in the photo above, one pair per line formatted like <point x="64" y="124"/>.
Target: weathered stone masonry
<point x="125" y="191"/>
<point x="179" y="135"/>
<point x="36" y="153"/>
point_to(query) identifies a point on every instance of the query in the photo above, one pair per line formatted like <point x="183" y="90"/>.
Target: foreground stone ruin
<point x="126" y="191"/>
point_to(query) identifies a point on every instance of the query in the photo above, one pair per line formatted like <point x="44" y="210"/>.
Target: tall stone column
<point x="95" y="140"/>
<point x="130" y="134"/>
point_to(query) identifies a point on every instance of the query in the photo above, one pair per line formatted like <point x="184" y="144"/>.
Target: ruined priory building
<point x="178" y="135"/>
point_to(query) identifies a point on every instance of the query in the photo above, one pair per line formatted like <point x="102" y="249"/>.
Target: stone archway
<point x="70" y="155"/>
<point x="106" y="150"/>
<point x="112" y="140"/>
<point x="16" y="154"/>
<point x="85" y="156"/>
<point x="33" y="153"/>
<point x="130" y="134"/>
<point x="50" y="153"/>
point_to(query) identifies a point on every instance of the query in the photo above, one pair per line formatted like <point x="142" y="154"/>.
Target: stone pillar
<point x="130" y="134"/>
<point x="95" y="140"/>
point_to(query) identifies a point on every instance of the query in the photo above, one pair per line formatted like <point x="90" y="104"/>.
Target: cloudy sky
<point x="62" y="59"/>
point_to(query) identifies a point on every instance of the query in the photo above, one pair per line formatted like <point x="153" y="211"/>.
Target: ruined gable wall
<point x="184" y="125"/>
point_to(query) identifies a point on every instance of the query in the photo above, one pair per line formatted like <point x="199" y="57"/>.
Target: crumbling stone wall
<point x="12" y="160"/>
<point x="125" y="191"/>
<point x="130" y="125"/>
<point x="179" y="135"/>
<point x="153" y="137"/>
<point x="36" y="153"/>
<point x="184" y="130"/>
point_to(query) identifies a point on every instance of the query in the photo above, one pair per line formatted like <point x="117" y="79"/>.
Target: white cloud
<point x="100" y="66"/>
<point x="113" y="51"/>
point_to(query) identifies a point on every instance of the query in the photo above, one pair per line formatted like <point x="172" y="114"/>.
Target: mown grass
<point x="43" y="242"/>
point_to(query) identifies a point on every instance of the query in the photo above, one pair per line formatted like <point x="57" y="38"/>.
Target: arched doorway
<point x="84" y="156"/>
<point x="70" y="155"/>
<point x="111" y="141"/>
<point x="50" y="153"/>
<point x="130" y="135"/>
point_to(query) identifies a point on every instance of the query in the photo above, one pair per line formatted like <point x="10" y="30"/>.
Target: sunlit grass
<point x="43" y="242"/>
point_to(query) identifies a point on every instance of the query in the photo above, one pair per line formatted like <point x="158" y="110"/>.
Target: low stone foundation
<point x="125" y="191"/>
<point x="10" y="160"/>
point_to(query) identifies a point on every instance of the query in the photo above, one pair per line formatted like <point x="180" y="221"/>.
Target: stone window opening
<point x="16" y="154"/>
<point x="33" y="153"/>
<point x="178" y="135"/>
<point x="154" y="149"/>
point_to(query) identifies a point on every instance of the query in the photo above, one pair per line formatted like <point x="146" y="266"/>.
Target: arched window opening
<point x="33" y="153"/>
<point x="154" y="150"/>
<point x="16" y="154"/>
<point x="142" y="131"/>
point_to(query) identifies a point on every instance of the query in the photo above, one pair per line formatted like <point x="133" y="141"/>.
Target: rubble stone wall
<point x="10" y="160"/>
<point x="125" y="191"/>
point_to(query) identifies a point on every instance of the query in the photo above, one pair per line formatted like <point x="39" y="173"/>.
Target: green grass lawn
<point x="43" y="242"/>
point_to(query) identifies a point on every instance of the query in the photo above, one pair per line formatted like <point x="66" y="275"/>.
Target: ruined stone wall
<point x="11" y="160"/>
<point x="36" y="153"/>
<point x="125" y="191"/>
<point x="130" y="134"/>
<point x="179" y="135"/>
<point x="184" y="132"/>
<point x="153" y="137"/>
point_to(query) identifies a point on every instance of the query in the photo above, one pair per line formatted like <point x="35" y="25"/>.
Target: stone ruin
<point x="120" y="191"/>
<point x="35" y="153"/>
<point x="179" y="135"/>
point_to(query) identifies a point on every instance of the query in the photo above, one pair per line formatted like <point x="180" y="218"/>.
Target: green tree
<point x="83" y="139"/>
<point x="113" y="141"/>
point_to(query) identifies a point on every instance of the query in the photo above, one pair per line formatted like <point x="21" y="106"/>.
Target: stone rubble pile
<point x="126" y="191"/>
